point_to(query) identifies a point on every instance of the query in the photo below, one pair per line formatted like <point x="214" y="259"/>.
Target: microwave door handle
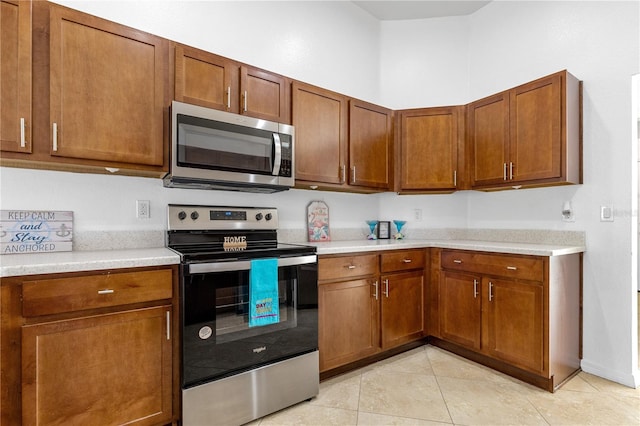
<point x="277" y="157"/>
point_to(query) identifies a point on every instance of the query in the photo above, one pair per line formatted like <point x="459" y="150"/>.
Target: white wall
<point x="441" y="61"/>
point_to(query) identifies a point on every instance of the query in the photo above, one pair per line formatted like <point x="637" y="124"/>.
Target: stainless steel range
<point x="249" y="313"/>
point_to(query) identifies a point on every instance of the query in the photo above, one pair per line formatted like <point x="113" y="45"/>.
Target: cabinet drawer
<point x="333" y="268"/>
<point x="521" y="267"/>
<point x="402" y="260"/>
<point x="53" y="296"/>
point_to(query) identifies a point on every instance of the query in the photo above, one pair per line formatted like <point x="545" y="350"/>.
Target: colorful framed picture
<point x="384" y="232"/>
<point x="318" y="221"/>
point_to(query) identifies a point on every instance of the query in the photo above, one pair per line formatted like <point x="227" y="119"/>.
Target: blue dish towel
<point x="264" y="307"/>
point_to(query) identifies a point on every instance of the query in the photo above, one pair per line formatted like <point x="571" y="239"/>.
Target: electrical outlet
<point x="143" y="209"/>
<point x="606" y="213"/>
<point x="417" y="215"/>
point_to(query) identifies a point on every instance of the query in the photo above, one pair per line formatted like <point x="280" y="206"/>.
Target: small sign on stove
<point x="35" y="231"/>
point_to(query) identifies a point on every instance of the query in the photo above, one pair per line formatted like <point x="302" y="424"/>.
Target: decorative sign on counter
<point x="318" y="221"/>
<point x="35" y="231"/>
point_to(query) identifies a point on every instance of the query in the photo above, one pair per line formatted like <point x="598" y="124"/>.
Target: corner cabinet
<point x="363" y="313"/>
<point x="205" y="79"/>
<point x="342" y="144"/>
<point x="527" y="136"/>
<point x="431" y="150"/>
<point x="95" y="348"/>
<point x="15" y="77"/>
<point x="518" y="314"/>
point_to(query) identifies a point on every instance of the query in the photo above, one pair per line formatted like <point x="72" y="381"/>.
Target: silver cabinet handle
<point x="351" y="266"/>
<point x="23" y="141"/>
<point x="353" y="174"/>
<point x="229" y="97"/>
<point x="168" y="325"/>
<point x="475" y="288"/>
<point x="386" y="286"/>
<point x="406" y="260"/>
<point x="511" y="170"/>
<point x="106" y="291"/>
<point x="458" y="261"/>
<point x="343" y="173"/>
<point x="455" y="178"/>
<point x="375" y="285"/>
<point x="504" y="171"/>
<point x="55" y="137"/>
<point x="490" y="291"/>
<point x="512" y="268"/>
<point x="245" y="101"/>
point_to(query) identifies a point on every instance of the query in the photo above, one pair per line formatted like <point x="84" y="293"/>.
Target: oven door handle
<point x="245" y="265"/>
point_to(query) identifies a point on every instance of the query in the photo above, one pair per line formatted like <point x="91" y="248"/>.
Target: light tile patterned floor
<point x="429" y="386"/>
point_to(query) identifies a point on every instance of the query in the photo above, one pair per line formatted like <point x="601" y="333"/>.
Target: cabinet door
<point x="15" y="76"/>
<point x="106" y="90"/>
<point x="402" y="305"/>
<point x="536" y="130"/>
<point x="370" y="133"/>
<point x="320" y="119"/>
<point x="348" y="321"/>
<point x="515" y="324"/>
<point x="429" y="148"/>
<point x="488" y="121"/>
<point x="460" y="309"/>
<point x="107" y="369"/>
<point x="205" y="79"/>
<point x="264" y="95"/>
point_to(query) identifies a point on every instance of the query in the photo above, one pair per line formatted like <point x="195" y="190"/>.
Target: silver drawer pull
<point x="512" y="268"/>
<point x="406" y="260"/>
<point x="106" y="291"/>
<point x="351" y="267"/>
<point x="457" y="261"/>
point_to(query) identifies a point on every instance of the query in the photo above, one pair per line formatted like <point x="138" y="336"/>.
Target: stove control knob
<point x="182" y="215"/>
<point x="268" y="216"/>
<point x="194" y="215"/>
<point x="259" y="216"/>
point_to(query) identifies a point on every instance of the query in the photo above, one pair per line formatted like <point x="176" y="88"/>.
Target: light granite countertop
<point x="339" y="247"/>
<point x="74" y="261"/>
<point x="90" y="260"/>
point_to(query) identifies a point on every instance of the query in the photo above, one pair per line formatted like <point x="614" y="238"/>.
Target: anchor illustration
<point x="63" y="231"/>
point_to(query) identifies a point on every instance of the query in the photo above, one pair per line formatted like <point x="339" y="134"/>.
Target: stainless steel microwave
<point x="213" y="149"/>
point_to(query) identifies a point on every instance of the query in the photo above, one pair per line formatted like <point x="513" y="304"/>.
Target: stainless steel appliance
<point x="213" y="149"/>
<point x="233" y="372"/>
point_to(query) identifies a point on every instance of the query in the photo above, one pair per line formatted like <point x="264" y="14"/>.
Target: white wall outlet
<point x="567" y="212"/>
<point x="417" y="215"/>
<point x="606" y="213"/>
<point x="143" y="209"/>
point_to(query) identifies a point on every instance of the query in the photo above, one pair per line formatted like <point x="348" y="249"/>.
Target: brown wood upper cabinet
<point x="430" y="155"/>
<point x="528" y="135"/>
<point x="15" y="76"/>
<point x="341" y="143"/>
<point x="107" y="96"/>
<point x="205" y="79"/>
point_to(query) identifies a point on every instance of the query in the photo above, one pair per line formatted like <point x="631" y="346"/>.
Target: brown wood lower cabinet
<point x="90" y="348"/>
<point x="518" y="314"/>
<point x="363" y="313"/>
<point x="105" y="369"/>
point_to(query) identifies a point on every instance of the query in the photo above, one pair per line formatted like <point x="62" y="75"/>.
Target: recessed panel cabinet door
<point x="106" y="90"/>
<point x="264" y="95"/>
<point x="536" y="130"/>
<point x="488" y="124"/>
<point x="370" y="133"/>
<point x="205" y="79"/>
<point x="15" y="76"/>
<point x="320" y="121"/>
<point x="107" y="369"/>
<point x="402" y="316"/>
<point x="429" y="148"/>
<point x="348" y="322"/>
<point x="460" y="309"/>
<point x="515" y="323"/>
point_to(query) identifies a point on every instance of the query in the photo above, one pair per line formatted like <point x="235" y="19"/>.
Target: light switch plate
<point x="606" y="213"/>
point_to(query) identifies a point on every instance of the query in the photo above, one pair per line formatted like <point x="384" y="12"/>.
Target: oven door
<point x="217" y="340"/>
